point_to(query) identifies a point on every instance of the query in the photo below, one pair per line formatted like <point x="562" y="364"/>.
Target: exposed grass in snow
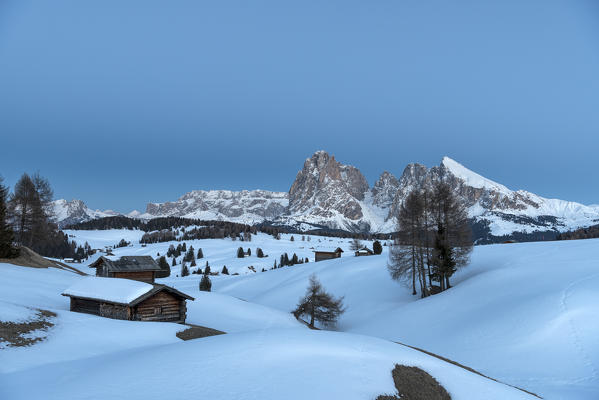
<point x="197" y="332"/>
<point x="412" y="383"/>
<point x="26" y="333"/>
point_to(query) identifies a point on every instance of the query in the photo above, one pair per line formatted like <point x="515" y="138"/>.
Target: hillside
<point x="266" y="353"/>
<point x="521" y="313"/>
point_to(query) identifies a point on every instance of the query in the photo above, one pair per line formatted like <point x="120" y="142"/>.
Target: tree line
<point x="434" y="239"/>
<point x="26" y="220"/>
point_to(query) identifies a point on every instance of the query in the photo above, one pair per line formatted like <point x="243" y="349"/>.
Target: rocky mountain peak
<point x="326" y="188"/>
<point x="384" y="190"/>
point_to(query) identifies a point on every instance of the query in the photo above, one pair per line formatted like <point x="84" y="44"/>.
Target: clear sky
<point x="123" y="102"/>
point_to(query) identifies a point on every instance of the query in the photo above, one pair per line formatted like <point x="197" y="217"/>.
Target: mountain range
<point x="329" y="195"/>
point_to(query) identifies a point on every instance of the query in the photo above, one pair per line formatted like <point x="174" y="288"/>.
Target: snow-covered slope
<point x="266" y="353"/>
<point x="522" y="313"/>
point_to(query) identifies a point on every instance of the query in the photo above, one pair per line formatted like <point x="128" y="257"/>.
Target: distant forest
<point x="164" y="229"/>
<point x="591" y="232"/>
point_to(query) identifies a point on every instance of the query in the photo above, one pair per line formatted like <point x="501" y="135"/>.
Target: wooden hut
<point x="128" y="299"/>
<point x="364" y="251"/>
<point x="327" y="255"/>
<point x="139" y="268"/>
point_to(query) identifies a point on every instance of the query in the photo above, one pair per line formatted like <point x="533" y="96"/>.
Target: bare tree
<point x="355" y="244"/>
<point x="30" y="208"/>
<point x="319" y="305"/>
<point x="408" y="254"/>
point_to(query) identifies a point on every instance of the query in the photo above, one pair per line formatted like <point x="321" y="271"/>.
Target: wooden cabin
<point x="364" y="251"/>
<point x="139" y="268"/>
<point x="327" y="255"/>
<point x="128" y="299"/>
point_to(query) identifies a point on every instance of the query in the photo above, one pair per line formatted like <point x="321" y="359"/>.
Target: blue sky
<point x="121" y="103"/>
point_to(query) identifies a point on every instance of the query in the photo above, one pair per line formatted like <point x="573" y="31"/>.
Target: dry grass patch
<point x="413" y="383"/>
<point x="196" y="332"/>
<point x="15" y="334"/>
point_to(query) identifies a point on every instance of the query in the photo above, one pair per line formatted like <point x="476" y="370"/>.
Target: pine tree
<point x="174" y="261"/>
<point x="319" y="305"/>
<point x="225" y="271"/>
<point x="292" y="239"/>
<point x="200" y="253"/>
<point x="294" y="259"/>
<point x="205" y="283"/>
<point x="184" y="270"/>
<point x="7" y="250"/>
<point x="165" y="270"/>
<point x="376" y="247"/>
<point x="240" y="253"/>
<point x="207" y="270"/>
<point x="193" y="262"/>
<point x="249" y="252"/>
<point x="259" y="253"/>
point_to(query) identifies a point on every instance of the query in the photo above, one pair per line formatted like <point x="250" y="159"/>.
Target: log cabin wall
<point x="85" y="306"/>
<point x="143" y="276"/>
<point x="98" y="307"/>
<point x="160" y="307"/>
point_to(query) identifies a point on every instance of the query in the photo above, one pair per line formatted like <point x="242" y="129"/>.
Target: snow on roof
<point x="472" y="178"/>
<point x="115" y="290"/>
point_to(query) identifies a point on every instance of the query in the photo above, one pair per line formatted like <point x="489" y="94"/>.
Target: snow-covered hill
<point x="522" y="313"/>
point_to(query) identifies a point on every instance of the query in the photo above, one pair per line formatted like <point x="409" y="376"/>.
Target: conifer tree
<point x="240" y="253"/>
<point x="184" y="270"/>
<point x="249" y="252"/>
<point x="225" y="271"/>
<point x="174" y="261"/>
<point x="205" y="283"/>
<point x="200" y="253"/>
<point x="319" y="305"/>
<point x="7" y="250"/>
<point x="259" y="253"/>
<point x="165" y="270"/>
<point x="376" y="247"/>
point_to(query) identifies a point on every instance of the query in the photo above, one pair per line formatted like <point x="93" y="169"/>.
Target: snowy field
<point x="525" y="314"/>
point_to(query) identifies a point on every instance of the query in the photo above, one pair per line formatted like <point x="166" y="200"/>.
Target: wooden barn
<point x="139" y="268"/>
<point x="327" y="255"/>
<point x="128" y="299"/>
<point x="364" y="251"/>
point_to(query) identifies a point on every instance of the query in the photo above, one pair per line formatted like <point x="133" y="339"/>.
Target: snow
<point x="15" y="313"/>
<point x="525" y="314"/>
<point x="122" y="291"/>
<point x="472" y="178"/>
<point x="266" y="364"/>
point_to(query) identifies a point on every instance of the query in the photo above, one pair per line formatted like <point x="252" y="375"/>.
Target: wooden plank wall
<point x="143" y="276"/>
<point x="160" y="307"/>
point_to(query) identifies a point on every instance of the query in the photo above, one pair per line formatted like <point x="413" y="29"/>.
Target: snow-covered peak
<point x="471" y="178"/>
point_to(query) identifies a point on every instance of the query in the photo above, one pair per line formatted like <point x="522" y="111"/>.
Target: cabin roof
<point x="117" y="290"/>
<point x="127" y="264"/>
<point x="337" y="250"/>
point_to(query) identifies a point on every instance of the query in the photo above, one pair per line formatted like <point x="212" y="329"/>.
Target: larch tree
<point x="355" y="244"/>
<point x="319" y="305"/>
<point x="407" y="255"/>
